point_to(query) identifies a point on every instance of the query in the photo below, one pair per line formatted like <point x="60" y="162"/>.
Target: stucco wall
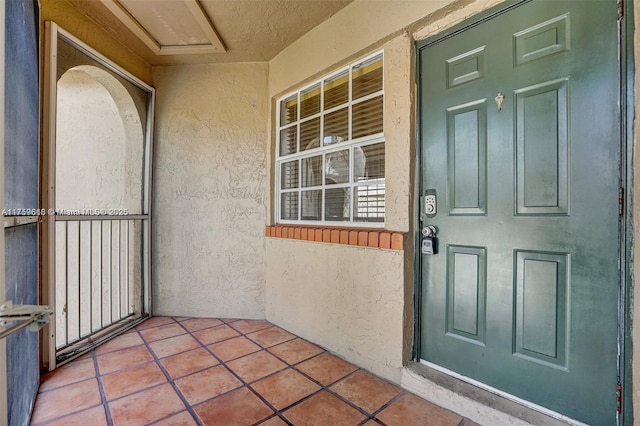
<point x="355" y="282"/>
<point x="209" y="185"/>
<point x="344" y="298"/>
<point x="99" y="162"/>
<point x="356" y="27"/>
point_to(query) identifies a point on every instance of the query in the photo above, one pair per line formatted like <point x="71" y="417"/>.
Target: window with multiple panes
<point x="330" y="150"/>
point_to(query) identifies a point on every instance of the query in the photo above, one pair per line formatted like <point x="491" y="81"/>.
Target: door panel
<point x="542" y="148"/>
<point x="522" y="295"/>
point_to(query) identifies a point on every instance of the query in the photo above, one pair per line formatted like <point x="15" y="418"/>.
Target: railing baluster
<point x="66" y="281"/>
<point x="126" y="276"/>
<point x="119" y="251"/>
<point x="114" y="291"/>
<point x="79" y="279"/>
<point x="111" y="271"/>
<point x="101" y="275"/>
<point x="90" y="276"/>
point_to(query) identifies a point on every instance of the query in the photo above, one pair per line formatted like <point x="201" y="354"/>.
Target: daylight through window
<point x="330" y="154"/>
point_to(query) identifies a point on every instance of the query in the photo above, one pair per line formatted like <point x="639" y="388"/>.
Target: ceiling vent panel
<point x="169" y="27"/>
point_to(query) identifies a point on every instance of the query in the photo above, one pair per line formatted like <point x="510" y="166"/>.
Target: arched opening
<point x="99" y="162"/>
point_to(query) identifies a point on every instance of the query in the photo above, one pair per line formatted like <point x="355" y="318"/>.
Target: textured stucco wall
<point x="210" y="173"/>
<point x="356" y="329"/>
<point x="345" y="298"/>
<point x="356" y="27"/>
<point x="90" y="153"/>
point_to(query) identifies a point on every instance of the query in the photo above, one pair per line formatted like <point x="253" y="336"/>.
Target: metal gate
<point x="97" y="161"/>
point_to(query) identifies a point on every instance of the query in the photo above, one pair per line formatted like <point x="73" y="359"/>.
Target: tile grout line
<point x="289" y="365"/>
<point x="373" y="419"/>
<point x="245" y="384"/>
<point x="367" y="415"/>
<point x="276" y="412"/>
<point x="73" y="413"/>
<point x="191" y="333"/>
<point x="322" y="387"/>
<point x="103" y="395"/>
<point x="103" y="400"/>
<point x="330" y="391"/>
<point x="150" y="350"/>
<point x="170" y="380"/>
<point x="202" y="346"/>
<point x="387" y="405"/>
<point x="105" y="403"/>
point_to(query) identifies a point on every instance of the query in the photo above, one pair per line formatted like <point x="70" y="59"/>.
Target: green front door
<point x="520" y="141"/>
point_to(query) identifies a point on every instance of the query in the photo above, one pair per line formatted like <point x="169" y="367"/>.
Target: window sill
<point x="374" y="238"/>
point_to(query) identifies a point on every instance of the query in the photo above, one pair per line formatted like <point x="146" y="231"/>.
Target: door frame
<point x="627" y="59"/>
<point x="48" y="175"/>
<point x="626" y="113"/>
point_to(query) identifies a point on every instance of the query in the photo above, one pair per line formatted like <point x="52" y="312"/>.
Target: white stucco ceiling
<point x="222" y="30"/>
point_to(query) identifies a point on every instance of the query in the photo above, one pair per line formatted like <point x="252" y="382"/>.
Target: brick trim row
<point x="349" y="236"/>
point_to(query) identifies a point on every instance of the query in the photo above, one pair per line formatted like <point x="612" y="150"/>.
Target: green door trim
<point x="626" y="28"/>
<point x="627" y="72"/>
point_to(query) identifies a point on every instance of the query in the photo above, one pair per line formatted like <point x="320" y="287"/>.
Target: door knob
<point x="429" y="231"/>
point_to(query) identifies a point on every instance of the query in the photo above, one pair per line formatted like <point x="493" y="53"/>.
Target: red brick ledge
<point x="377" y="238"/>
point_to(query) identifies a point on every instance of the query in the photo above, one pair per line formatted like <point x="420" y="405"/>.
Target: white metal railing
<point x="99" y="274"/>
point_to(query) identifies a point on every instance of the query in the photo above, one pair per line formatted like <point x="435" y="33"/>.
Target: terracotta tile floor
<point x="205" y="371"/>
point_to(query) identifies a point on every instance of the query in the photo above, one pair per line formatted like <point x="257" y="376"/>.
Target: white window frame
<point x="323" y="150"/>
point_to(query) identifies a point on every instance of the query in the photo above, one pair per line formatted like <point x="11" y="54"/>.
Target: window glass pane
<point x="336" y="124"/>
<point x="310" y="101"/>
<point x="289" y="175"/>
<point x="312" y="205"/>
<point x="336" y="202"/>
<point x="288" y="142"/>
<point x="368" y="162"/>
<point x="336" y="167"/>
<point x="289" y="206"/>
<point x="367" y="78"/>
<point x="289" y="110"/>
<point x="312" y="171"/>
<point x="310" y="134"/>
<point x="369" y="203"/>
<point x="312" y="188"/>
<point x="336" y="90"/>
<point x="367" y="117"/>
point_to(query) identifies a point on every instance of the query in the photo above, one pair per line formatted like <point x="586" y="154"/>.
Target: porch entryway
<point x="204" y="371"/>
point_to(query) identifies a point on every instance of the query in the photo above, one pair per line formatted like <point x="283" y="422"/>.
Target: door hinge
<point x="621" y="201"/>
<point x="620" y="10"/>
<point x="619" y="398"/>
